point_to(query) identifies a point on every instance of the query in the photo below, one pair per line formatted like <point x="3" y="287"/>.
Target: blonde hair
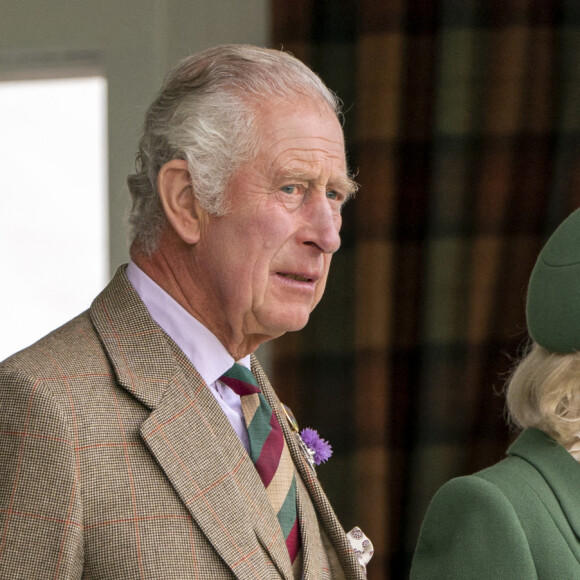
<point x="544" y="392"/>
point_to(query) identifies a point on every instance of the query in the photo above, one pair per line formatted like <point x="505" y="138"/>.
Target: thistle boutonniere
<point x="316" y="450"/>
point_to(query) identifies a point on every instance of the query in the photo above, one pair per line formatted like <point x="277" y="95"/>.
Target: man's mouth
<point x="296" y="277"/>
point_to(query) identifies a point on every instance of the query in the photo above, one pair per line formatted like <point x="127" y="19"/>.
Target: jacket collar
<point x="560" y="470"/>
<point x="130" y="337"/>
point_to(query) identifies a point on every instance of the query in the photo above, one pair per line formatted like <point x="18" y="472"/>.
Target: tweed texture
<point x="117" y="462"/>
<point x="519" y="519"/>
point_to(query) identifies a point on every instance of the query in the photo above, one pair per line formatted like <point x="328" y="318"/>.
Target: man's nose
<point x="323" y="226"/>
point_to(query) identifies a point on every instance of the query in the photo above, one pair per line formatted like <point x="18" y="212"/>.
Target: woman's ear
<point x="178" y="200"/>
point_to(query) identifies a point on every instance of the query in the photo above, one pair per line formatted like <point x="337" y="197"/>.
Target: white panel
<point x="53" y="204"/>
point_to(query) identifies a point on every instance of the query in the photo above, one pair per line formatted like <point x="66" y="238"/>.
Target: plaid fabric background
<point x="463" y="119"/>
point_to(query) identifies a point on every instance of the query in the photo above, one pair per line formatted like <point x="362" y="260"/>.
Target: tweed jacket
<point x="519" y="519"/>
<point x="116" y="462"/>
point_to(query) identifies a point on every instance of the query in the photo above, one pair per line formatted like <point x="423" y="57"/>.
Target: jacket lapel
<point x="190" y="436"/>
<point x="318" y="555"/>
<point x="329" y="523"/>
<point x="560" y="470"/>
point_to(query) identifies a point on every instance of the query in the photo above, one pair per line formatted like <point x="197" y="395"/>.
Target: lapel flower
<point x="315" y="449"/>
<point x="321" y="449"/>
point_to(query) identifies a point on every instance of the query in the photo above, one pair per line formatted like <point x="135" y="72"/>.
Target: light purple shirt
<point x="205" y="352"/>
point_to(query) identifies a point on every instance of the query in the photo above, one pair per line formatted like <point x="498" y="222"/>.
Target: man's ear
<point x="178" y="200"/>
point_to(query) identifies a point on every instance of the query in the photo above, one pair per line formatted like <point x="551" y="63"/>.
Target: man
<point x="127" y="447"/>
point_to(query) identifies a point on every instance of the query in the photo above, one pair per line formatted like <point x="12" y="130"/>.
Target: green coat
<point x="519" y="519"/>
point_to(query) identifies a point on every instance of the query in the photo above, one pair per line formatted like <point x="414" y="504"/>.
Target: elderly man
<point x="142" y="439"/>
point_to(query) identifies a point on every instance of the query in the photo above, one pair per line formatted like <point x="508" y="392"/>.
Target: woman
<point x="520" y="518"/>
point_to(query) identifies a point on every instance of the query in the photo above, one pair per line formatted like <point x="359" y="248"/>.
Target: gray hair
<point x="205" y="114"/>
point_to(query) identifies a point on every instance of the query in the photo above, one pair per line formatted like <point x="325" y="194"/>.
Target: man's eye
<point x="334" y="195"/>
<point x="289" y="189"/>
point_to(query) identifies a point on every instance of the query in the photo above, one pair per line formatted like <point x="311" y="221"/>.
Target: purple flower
<point x="321" y="448"/>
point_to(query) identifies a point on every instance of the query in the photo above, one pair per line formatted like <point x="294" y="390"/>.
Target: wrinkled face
<point x="265" y="263"/>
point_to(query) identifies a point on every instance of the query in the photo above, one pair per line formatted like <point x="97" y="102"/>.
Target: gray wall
<point x="134" y="43"/>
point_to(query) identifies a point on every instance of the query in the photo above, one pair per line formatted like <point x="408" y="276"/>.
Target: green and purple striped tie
<point x="269" y="452"/>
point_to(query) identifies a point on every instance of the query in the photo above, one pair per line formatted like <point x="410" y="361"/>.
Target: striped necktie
<point x="269" y="452"/>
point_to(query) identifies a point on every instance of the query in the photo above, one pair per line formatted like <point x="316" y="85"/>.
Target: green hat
<point x="553" y="303"/>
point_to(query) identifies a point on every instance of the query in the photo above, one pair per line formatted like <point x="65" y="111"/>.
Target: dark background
<point x="463" y="121"/>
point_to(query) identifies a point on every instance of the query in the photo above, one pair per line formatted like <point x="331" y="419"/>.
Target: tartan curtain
<point x="463" y="120"/>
